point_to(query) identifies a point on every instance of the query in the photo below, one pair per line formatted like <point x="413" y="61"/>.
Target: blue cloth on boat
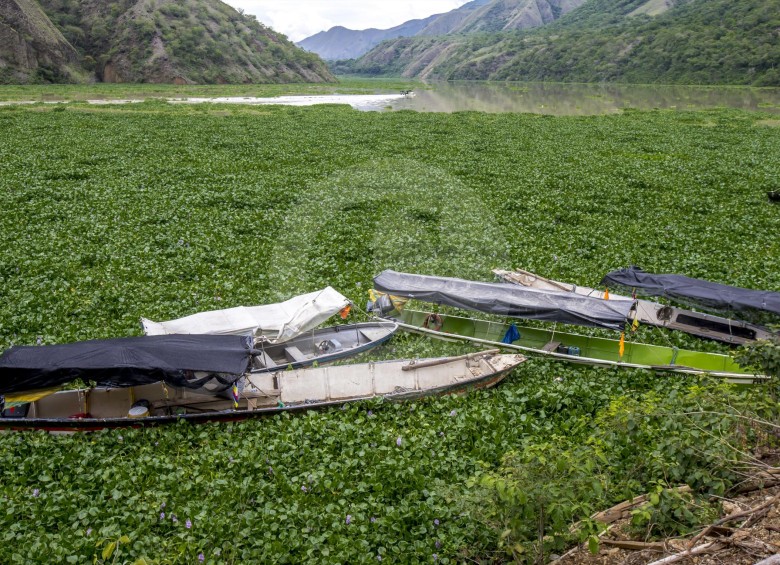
<point x="512" y="334"/>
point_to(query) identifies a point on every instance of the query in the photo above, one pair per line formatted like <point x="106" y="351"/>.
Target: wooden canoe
<point x="261" y="394"/>
<point x="576" y="348"/>
<point x="700" y="324"/>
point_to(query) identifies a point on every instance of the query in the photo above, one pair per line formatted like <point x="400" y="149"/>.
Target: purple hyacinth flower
<point x="349" y="519"/>
<point x="398" y="442"/>
<point x="89" y="531"/>
<point x="454" y="413"/>
<point x="174" y="519"/>
<point x="438" y="544"/>
<point x="373" y="519"/>
<point x="188" y="524"/>
<point x="379" y="558"/>
<point x="303" y="488"/>
<point x="435" y="557"/>
<point x="162" y="515"/>
<point x="370" y="413"/>
<point x="36" y="492"/>
<point x="162" y="505"/>
<point x="436" y="522"/>
<point x="201" y="557"/>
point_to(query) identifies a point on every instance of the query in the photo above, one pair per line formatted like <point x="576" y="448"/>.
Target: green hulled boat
<point x="508" y="301"/>
<point x="575" y="348"/>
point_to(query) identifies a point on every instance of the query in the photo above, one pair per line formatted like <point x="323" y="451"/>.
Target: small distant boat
<point x="700" y="324"/>
<point x="260" y="394"/>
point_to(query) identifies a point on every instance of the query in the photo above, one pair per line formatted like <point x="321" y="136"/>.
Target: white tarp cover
<point x="277" y="322"/>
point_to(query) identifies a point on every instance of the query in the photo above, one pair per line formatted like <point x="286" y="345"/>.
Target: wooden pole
<point x="433" y="362"/>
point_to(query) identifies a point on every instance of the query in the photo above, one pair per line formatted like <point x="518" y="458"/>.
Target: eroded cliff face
<point x="32" y="49"/>
<point x="161" y="41"/>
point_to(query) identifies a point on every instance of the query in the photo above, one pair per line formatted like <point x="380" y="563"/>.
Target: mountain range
<point x="477" y="16"/>
<point x="180" y="41"/>
<point x="637" y="41"/>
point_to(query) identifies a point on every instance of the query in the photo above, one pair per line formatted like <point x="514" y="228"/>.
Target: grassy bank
<point x="99" y="91"/>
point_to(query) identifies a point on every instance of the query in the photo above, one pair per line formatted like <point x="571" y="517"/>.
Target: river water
<point x="537" y="98"/>
<point x="582" y="99"/>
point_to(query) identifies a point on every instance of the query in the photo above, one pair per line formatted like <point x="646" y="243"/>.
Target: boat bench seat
<point x="551" y="346"/>
<point x="294" y="354"/>
<point x="265" y="360"/>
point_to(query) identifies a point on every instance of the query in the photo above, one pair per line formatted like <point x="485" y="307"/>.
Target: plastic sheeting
<point x="179" y="360"/>
<point x="277" y="322"/>
<point x="695" y="291"/>
<point x="507" y="299"/>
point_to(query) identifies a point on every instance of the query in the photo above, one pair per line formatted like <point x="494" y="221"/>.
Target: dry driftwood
<point x="774" y="560"/>
<point x="623" y="509"/>
<point x="705" y="548"/>
<point x="732" y="517"/>
<point x="636" y="545"/>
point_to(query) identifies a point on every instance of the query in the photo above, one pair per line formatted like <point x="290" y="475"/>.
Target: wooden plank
<point x="412" y="366"/>
<point x="551" y="346"/>
<point x="294" y="354"/>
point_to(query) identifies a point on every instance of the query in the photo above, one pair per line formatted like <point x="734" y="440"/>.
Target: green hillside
<point x="692" y="42"/>
<point x="182" y="41"/>
<point x="32" y="47"/>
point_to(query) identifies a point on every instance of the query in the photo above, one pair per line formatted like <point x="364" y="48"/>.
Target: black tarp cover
<point x="507" y="299"/>
<point x="126" y="362"/>
<point x="695" y="291"/>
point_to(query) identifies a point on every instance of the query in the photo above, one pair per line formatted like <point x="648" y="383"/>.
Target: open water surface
<point x="537" y="98"/>
<point x="583" y="99"/>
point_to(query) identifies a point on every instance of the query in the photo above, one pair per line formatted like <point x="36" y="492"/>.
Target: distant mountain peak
<point x="342" y="43"/>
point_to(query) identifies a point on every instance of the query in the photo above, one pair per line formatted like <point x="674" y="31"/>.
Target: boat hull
<point x="699" y="324"/>
<point x="592" y="350"/>
<point x="324" y="345"/>
<point x="295" y="391"/>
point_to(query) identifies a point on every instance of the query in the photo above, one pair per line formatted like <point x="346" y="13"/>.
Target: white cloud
<point x="299" y="19"/>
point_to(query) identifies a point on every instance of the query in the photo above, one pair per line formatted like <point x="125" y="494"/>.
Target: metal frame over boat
<point x="263" y="394"/>
<point x="699" y="324"/>
<point x="575" y="348"/>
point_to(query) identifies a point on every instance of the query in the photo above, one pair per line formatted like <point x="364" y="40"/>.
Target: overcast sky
<point x="298" y="19"/>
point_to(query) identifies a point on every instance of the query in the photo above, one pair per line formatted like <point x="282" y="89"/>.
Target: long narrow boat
<point x="700" y="324"/>
<point x="706" y="294"/>
<point x="261" y="394"/>
<point x="513" y="301"/>
<point x="575" y="348"/>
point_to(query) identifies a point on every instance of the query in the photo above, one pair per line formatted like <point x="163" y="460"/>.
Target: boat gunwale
<point x="736" y="378"/>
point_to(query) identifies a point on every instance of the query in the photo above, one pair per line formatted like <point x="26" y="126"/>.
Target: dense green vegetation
<point x="112" y="213"/>
<point x="696" y="42"/>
